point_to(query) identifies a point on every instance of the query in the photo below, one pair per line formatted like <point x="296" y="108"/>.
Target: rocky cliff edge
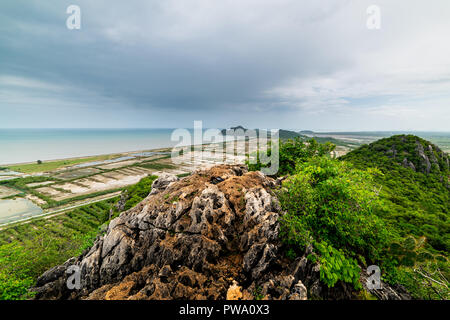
<point x="212" y="235"/>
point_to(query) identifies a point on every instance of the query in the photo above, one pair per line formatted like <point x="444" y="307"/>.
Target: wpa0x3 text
<point x="229" y="309"/>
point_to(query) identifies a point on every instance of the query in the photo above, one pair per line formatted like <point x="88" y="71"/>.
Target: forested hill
<point x="408" y="151"/>
<point x="414" y="180"/>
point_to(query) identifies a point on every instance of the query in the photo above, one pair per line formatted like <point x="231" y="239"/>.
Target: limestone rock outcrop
<point x="211" y="235"/>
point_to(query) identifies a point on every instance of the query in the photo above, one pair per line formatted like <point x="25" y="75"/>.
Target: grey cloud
<point x="197" y="58"/>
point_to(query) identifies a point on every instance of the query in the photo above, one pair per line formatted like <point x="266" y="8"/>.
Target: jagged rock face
<point x="193" y="230"/>
<point x="212" y="235"/>
<point x="408" y="164"/>
<point x="424" y="160"/>
<point x="429" y="159"/>
<point x="414" y="153"/>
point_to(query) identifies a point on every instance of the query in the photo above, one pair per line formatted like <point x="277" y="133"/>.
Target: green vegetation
<point x="331" y="206"/>
<point x="157" y="166"/>
<point x="257" y="293"/>
<point x="293" y="151"/>
<point x="45" y="166"/>
<point x="369" y="207"/>
<point x="138" y="192"/>
<point x="441" y="139"/>
<point x="182" y="175"/>
<point x="27" y="250"/>
<point x="54" y="203"/>
<point x="21" y="184"/>
<point x="334" y="141"/>
<point x="415" y="202"/>
<point x="386" y="203"/>
<point x="151" y="160"/>
<point x="423" y="273"/>
<point x="287" y="134"/>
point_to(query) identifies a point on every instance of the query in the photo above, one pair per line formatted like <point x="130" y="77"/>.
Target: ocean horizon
<point x="28" y="145"/>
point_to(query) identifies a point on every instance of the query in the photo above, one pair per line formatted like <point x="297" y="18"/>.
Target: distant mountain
<point x="414" y="182"/>
<point x="234" y="129"/>
<point x="283" y="134"/>
<point x="287" y="134"/>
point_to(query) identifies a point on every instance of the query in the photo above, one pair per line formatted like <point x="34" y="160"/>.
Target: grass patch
<point x="54" y="203"/>
<point x="157" y="166"/>
<point x="182" y="175"/>
<point x="139" y="191"/>
<point x="27" y="250"/>
<point x="57" y="164"/>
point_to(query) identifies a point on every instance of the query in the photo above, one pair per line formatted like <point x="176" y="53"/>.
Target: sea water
<point x="29" y="145"/>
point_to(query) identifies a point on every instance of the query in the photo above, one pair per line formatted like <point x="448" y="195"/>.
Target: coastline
<point x="113" y="155"/>
<point x="21" y="146"/>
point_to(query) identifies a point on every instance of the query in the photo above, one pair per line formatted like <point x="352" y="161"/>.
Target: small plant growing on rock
<point x="290" y="254"/>
<point x="430" y="270"/>
<point x="257" y="293"/>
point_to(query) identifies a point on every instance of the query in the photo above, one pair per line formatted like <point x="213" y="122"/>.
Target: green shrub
<point x="332" y="206"/>
<point x="138" y="192"/>
<point x="292" y="152"/>
<point x="27" y="250"/>
<point x="15" y="273"/>
<point x="335" y="266"/>
<point x="424" y="273"/>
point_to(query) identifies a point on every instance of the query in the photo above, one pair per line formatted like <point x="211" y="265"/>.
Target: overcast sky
<point x="269" y="64"/>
